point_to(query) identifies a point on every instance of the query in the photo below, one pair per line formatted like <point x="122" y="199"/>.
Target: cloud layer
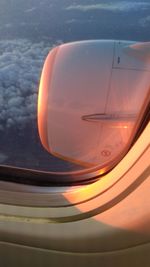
<point x="144" y="22"/>
<point x="20" y="66"/>
<point x="118" y="6"/>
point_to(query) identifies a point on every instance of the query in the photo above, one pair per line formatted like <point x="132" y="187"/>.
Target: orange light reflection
<point x="43" y="97"/>
<point x="120" y="216"/>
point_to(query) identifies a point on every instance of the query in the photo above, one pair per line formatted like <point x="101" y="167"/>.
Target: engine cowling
<point x="90" y="95"/>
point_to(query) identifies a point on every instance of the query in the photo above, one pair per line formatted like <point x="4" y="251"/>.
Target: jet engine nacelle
<point x="90" y="96"/>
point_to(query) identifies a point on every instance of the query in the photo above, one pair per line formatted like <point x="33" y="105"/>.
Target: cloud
<point x="21" y="62"/>
<point x="70" y="21"/>
<point x="144" y="21"/>
<point x="111" y="6"/>
<point x="78" y="21"/>
<point x="30" y="10"/>
<point x="8" y="25"/>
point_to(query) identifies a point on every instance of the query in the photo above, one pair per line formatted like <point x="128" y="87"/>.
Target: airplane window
<point x="84" y="110"/>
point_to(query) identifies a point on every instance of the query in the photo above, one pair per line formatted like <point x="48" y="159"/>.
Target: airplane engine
<point x="90" y="97"/>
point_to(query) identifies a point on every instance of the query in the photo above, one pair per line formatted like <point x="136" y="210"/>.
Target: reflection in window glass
<point x="29" y="30"/>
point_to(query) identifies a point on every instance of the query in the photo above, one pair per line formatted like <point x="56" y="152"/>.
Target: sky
<point x="28" y="31"/>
